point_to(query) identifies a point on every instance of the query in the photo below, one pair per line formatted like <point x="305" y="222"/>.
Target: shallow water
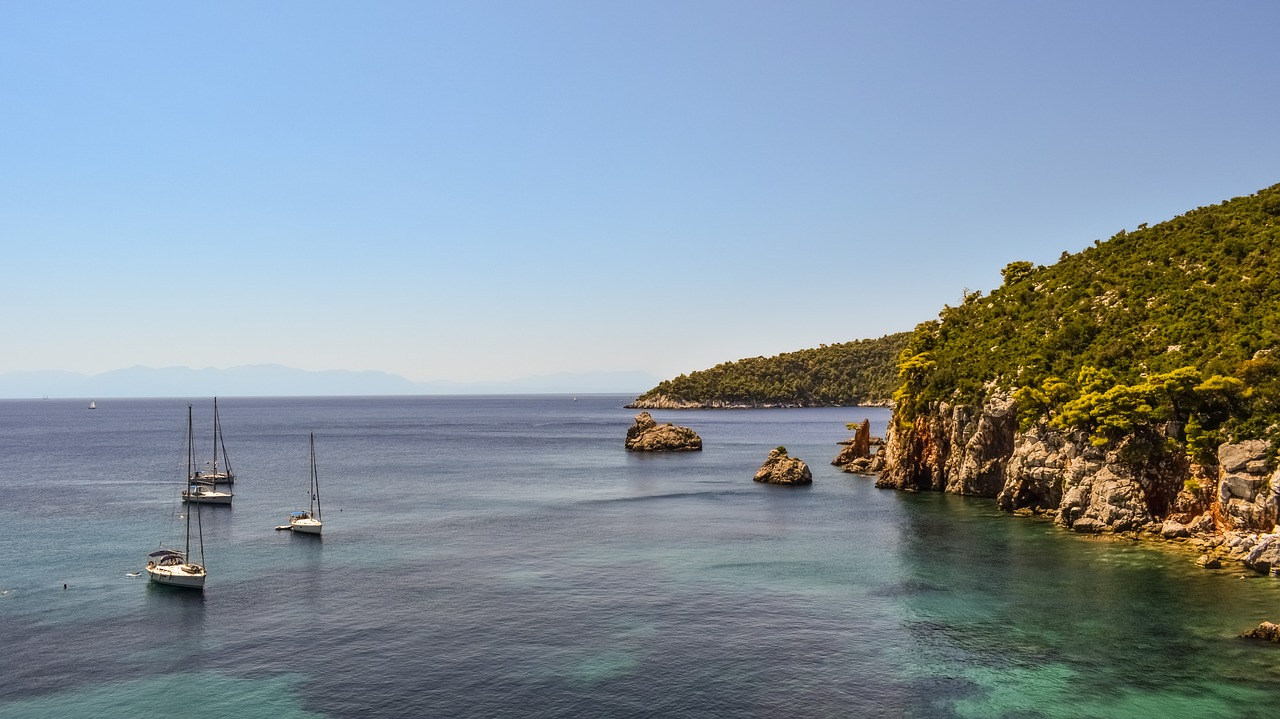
<point x="504" y="556"/>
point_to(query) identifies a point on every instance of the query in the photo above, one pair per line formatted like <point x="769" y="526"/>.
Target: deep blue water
<point x="505" y="557"/>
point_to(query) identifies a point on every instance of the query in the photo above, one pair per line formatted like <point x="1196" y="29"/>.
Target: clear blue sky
<point x="490" y="190"/>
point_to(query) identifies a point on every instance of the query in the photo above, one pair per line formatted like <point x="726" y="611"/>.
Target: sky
<point x="489" y="190"/>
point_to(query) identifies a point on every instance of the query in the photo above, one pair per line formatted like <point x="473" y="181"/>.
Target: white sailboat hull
<point x="219" y="477"/>
<point x="306" y="526"/>
<point x="190" y="576"/>
<point x="207" y="497"/>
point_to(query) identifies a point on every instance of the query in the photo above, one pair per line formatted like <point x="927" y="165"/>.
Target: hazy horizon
<point x="278" y="381"/>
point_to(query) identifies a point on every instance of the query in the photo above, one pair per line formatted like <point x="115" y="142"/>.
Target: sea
<point x="504" y="556"/>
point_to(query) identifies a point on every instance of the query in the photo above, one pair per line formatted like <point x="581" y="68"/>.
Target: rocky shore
<point x="661" y="401"/>
<point x="1134" y="488"/>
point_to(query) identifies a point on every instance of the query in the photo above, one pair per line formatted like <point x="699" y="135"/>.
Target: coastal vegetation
<point x="1169" y="327"/>
<point x="845" y="374"/>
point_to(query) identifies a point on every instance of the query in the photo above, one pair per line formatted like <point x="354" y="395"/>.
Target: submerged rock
<point x="782" y="469"/>
<point x="646" y="435"/>
<point x="1265" y="631"/>
<point x="1209" y="561"/>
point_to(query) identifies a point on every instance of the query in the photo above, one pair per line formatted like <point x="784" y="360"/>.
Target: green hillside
<point x="860" y="372"/>
<point x="1174" y="322"/>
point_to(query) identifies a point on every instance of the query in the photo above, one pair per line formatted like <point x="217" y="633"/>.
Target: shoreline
<point x="664" y="402"/>
<point x="1211" y="552"/>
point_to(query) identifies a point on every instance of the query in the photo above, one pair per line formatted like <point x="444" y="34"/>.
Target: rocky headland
<point x="780" y="468"/>
<point x="646" y="435"/>
<point x="1134" y="488"/>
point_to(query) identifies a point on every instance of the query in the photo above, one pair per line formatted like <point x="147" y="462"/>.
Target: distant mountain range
<point x="269" y="380"/>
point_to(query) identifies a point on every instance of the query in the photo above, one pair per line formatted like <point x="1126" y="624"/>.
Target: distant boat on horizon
<point x="92" y="404"/>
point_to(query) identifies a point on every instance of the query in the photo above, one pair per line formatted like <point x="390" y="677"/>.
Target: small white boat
<point x="308" y="521"/>
<point x="92" y="404"/>
<point x="174" y="567"/>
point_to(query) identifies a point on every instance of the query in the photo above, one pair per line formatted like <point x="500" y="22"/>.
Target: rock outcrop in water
<point x="1133" y="487"/>
<point x="646" y="435"/>
<point x="1266" y="631"/>
<point x="863" y="454"/>
<point x="779" y="468"/>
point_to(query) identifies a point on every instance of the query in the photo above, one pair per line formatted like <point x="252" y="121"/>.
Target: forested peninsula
<point x="863" y="372"/>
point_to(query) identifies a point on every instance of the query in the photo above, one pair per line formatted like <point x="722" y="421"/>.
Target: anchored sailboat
<point x="308" y="522"/>
<point x="215" y="475"/>
<point x="202" y="487"/>
<point x="173" y="567"/>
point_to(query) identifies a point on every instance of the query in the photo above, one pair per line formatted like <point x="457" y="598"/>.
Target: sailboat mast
<point x="215" y="436"/>
<point x="191" y="453"/>
<point x="315" y="476"/>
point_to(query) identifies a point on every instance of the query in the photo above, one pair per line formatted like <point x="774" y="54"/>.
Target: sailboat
<point x="92" y="404"/>
<point x="202" y="488"/>
<point x="200" y="492"/>
<point x="223" y="476"/>
<point x="308" y="522"/>
<point x="173" y="567"/>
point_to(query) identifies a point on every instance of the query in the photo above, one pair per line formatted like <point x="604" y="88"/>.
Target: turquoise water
<point x="505" y="557"/>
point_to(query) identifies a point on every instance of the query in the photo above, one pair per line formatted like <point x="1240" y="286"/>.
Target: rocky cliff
<point x="957" y="449"/>
<point x="1142" y="484"/>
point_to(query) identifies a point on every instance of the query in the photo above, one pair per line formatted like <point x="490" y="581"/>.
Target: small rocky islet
<point x="646" y="435"/>
<point x="863" y="453"/>
<point x="781" y="468"/>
